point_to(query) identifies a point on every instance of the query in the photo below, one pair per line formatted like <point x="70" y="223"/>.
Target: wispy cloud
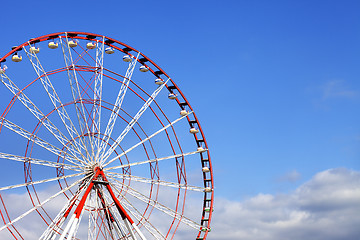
<point x="291" y="176"/>
<point x="337" y="89"/>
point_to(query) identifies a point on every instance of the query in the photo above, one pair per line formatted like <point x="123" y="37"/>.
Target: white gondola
<point x="172" y="96"/>
<point x="127" y="58"/>
<point x="194" y="130"/>
<point x="207" y="209"/>
<point x="34" y="50"/>
<point x="207" y="189"/>
<point x="16" y="58"/>
<point x="2" y="70"/>
<point x="206" y="229"/>
<point x="159" y="81"/>
<point x="53" y="45"/>
<point x="184" y="112"/>
<point x="109" y="50"/>
<point x="90" y="45"/>
<point x="144" y="68"/>
<point x="206" y="169"/>
<point x="201" y="149"/>
<point x="72" y="44"/>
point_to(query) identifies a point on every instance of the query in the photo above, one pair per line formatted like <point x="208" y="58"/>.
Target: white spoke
<point x="77" y="226"/>
<point x="76" y="93"/>
<point x="98" y="89"/>
<point x="33" y="138"/>
<point x="156" y="182"/>
<point x="138" y="216"/>
<point x="36" y="112"/>
<point x="38" y="161"/>
<point x="93" y="215"/>
<point x="144" y="140"/>
<point x="118" y="103"/>
<point x="55" y="226"/>
<point x="132" y="122"/>
<point x="41" y="181"/>
<point x="54" y="97"/>
<point x="39" y="205"/>
<point x="160" y="206"/>
<point x="152" y="160"/>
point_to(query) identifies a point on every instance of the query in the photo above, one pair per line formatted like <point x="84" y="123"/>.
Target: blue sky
<point x="275" y="84"/>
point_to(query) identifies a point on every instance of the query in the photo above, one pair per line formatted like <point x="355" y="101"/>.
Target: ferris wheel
<point x="98" y="142"/>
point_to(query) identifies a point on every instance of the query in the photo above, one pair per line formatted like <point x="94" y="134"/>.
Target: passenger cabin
<point x="90" y="45"/>
<point x="34" y="50"/>
<point x="201" y="149"/>
<point x="184" y="112"/>
<point x="53" y="45"/>
<point x="172" y="96"/>
<point x="159" y="81"/>
<point x="127" y="58"/>
<point x="72" y="44"/>
<point x="109" y="50"/>
<point x="206" y="169"/>
<point x="16" y="57"/>
<point x="144" y="68"/>
<point x="193" y="130"/>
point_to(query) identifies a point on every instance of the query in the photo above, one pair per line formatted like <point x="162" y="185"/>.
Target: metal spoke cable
<point x="98" y="84"/>
<point x="156" y="182"/>
<point x="38" y="161"/>
<point x="55" y="99"/>
<point x="159" y="206"/>
<point x="145" y="139"/>
<point x="132" y="122"/>
<point x="138" y="216"/>
<point x="153" y="160"/>
<point x="56" y="225"/>
<point x="118" y="103"/>
<point x="42" y="143"/>
<point x="121" y="224"/>
<point x="41" y="181"/>
<point x="39" y="205"/>
<point x="37" y="113"/>
<point x="75" y="91"/>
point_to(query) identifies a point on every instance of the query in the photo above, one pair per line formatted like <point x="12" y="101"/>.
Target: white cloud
<point x="337" y="89"/>
<point x="291" y="176"/>
<point x="326" y="207"/>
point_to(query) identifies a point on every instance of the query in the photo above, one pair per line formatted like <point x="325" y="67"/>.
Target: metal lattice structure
<point x="91" y="148"/>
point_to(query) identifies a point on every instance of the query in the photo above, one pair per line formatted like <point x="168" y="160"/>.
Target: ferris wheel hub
<point x="92" y="168"/>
